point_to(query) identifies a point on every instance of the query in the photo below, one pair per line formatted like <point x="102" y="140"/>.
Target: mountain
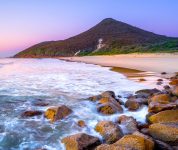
<point x="107" y="36"/>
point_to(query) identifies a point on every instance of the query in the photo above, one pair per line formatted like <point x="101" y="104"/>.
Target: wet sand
<point x="146" y="62"/>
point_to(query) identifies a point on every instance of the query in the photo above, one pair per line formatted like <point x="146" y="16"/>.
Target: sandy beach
<point x="146" y="62"/>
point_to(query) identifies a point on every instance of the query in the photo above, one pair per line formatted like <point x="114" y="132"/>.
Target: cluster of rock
<point x="160" y="132"/>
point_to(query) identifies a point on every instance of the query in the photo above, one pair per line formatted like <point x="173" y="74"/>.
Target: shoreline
<point x="157" y="63"/>
<point x="137" y="113"/>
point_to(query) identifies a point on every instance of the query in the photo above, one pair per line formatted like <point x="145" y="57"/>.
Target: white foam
<point x="60" y="83"/>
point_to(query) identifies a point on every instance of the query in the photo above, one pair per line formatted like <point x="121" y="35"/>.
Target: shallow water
<point x="26" y="81"/>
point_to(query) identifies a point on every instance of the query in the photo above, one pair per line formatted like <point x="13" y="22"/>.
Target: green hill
<point x="107" y="37"/>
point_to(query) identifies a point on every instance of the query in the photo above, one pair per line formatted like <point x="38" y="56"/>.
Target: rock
<point x="31" y="113"/>
<point x="146" y="137"/>
<point x="105" y="100"/>
<point x="108" y="94"/>
<point x="142" y="79"/>
<point x="39" y="102"/>
<point x="57" y="113"/>
<point x="141" y="99"/>
<point x="135" y="142"/>
<point x="163" y="73"/>
<point x="107" y="147"/>
<point x="160" y="80"/>
<point x="81" y="123"/>
<point x="109" y="130"/>
<point x="166" y="132"/>
<point x="145" y="131"/>
<point x="159" y="83"/>
<point x="174" y="91"/>
<point x="161" y="102"/>
<point x="129" y="124"/>
<point x="157" y="107"/>
<point x="132" y="104"/>
<point x="42" y="104"/>
<point x="80" y="141"/>
<point x="95" y="98"/>
<point x="166" y="87"/>
<point x="129" y="142"/>
<point x="147" y="92"/>
<point x="174" y="82"/>
<point x="142" y="125"/>
<point x="161" y="98"/>
<point x="159" y="145"/>
<point x="164" y="116"/>
<point x="109" y="108"/>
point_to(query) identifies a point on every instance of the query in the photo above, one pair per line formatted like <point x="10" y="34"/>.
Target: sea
<point x="24" y="82"/>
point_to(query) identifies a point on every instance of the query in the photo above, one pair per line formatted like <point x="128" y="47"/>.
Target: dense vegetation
<point x="118" y="38"/>
<point x="169" y="46"/>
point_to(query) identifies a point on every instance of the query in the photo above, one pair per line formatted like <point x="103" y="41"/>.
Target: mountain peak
<point x="114" y="34"/>
<point x="106" y="20"/>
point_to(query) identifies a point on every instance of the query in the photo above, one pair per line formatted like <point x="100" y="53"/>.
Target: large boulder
<point x="105" y="100"/>
<point x="157" y="107"/>
<point x="95" y="98"/>
<point x="109" y="108"/>
<point x="147" y="92"/>
<point x="107" y="103"/>
<point x="160" y="145"/>
<point x="129" y="124"/>
<point x="161" y="98"/>
<point x="174" y="82"/>
<point x="131" y="104"/>
<point x="164" y="117"/>
<point x="174" y="91"/>
<point x="57" y="113"/>
<point x="129" y="142"/>
<point x="80" y="141"/>
<point x="108" y="94"/>
<point x="110" y="131"/>
<point x="167" y="132"/>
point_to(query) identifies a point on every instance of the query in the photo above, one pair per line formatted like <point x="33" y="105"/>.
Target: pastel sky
<point x="27" y="22"/>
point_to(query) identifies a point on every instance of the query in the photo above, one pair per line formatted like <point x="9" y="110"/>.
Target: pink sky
<point x="25" y="23"/>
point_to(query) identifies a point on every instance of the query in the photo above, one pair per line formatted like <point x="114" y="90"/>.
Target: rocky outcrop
<point x="174" y="82"/>
<point x="159" y="145"/>
<point x="108" y="94"/>
<point x="129" y="124"/>
<point x="161" y="98"/>
<point x="147" y="92"/>
<point x="110" y="131"/>
<point x="108" y="109"/>
<point x="132" y="104"/>
<point x="80" y="141"/>
<point x="107" y="103"/>
<point x="174" y="91"/>
<point x="164" y="117"/>
<point x="157" y="107"/>
<point x="162" y="102"/>
<point x="129" y="142"/>
<point x="166" y="132"/>
<point x="57" y="113"/>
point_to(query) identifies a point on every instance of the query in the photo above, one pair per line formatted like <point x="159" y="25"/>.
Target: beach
<point x="161" y="62"/>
